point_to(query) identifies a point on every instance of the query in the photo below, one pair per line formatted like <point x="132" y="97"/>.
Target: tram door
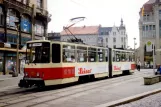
<point x="110" y="62"/>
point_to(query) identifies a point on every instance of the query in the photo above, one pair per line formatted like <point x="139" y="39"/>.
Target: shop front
<point x="10" y="61"/>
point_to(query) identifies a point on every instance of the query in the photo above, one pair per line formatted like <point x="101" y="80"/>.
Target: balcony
<point x="44" y="14"/>
<point x="19" y="6"/>
<point x="42" y="11"/>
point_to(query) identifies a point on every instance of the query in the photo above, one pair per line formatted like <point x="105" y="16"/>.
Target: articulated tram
<point x="55" y="62"/>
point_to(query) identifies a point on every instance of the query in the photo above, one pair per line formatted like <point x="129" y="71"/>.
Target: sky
<point x="106" y="13"/>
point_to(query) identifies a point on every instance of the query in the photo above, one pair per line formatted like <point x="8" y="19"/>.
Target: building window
<point x="114" y="39"/>
<point x="106" y="39"/>
<point x="12" y="17"/>
<point x="122" y="39"/>
<point x="144" y="17"/>
<point x="121" y="33"/>
<point x="114" y="33"/>
<point x="107" y="33"/>
<point x="146" y="27"/>
<point x="101" y="33"/>
<point x="114" y="46"/>
<point x="122" y="46"/>
<point x="1" y="16"/>
<point x="39" y="3"/>
<point x="147" y="17"/>
<point x="150" y="27"/>
<point x="160" y="14"/>
<point x="25" y="24"/>
<point x="153" y="27"/>
<point x="39" y="28"/>
<point x="143" y="28"/>
<point x="24" y="1"/>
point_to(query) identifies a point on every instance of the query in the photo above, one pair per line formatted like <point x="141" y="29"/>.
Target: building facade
<point x="113" y="37"/>
<point x="88" y="34"/>
<point x="27" y="19"/>
<point x="150" y="32"/>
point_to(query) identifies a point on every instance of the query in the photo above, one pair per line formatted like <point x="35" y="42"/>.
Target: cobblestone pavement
<point x="150" y="101"/>
<point x="83" y="95"/>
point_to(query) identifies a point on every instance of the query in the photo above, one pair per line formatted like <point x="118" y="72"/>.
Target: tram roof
<point x="63" y="42"/>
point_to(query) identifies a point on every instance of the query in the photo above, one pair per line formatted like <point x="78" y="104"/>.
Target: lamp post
<point x="153" y="58"/>
<point x="17" y="58"/>
<point x="134" y="49"/>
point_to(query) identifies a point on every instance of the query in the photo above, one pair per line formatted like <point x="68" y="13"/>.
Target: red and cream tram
<point x="54" y="62"/>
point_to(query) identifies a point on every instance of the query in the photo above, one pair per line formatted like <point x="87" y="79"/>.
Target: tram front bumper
<point x="29" y="82"/>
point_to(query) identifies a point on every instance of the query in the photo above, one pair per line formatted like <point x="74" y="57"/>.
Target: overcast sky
<point x="104" y="12"/>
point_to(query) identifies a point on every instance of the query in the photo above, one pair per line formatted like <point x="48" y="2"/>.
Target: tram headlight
<point x="37" y="74"/>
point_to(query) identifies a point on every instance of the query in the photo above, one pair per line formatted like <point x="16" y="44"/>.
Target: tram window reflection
<point x="118" y="56"/>
<point x="68" y="53"/>
<point x="114" y="55"/>
<point x="81" y="54"/>
<point x="92" y="55"/>
<point x="101" y="55"/>
<point x="106" y="55"/>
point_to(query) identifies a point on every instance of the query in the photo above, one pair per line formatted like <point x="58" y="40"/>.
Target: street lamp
<point x="154" y="58"/>
<point x="134" y="43"/>
<point x="17" y="58"/>
<point x="134" y="49"/>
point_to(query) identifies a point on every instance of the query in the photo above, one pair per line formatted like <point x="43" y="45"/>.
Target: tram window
<point x="133" y="56"/>
<point x="123" y="56"/>
<point x="41" y="50"/>
<point x="81" y="54"/>
<point x="68" y="53"/>
<point x="92" y="55"/>
<point x="114" y="56"/>
<point x="106" y="55"/>
<point x="56" y="53"/>
<point x="127" y="57"/>
<point x="101" y="55"/>
<point x="130" y="57"/>
<point x="118" y="56"/>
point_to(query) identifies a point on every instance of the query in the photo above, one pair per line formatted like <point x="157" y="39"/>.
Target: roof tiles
<point x="81" y="30"/>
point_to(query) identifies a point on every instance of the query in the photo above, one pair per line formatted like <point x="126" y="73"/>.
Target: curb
<point x="130" y="99"/>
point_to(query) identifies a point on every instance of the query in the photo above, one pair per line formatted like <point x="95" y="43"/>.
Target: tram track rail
<point x="45" y="96"/>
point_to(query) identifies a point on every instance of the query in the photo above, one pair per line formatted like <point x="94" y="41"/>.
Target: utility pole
<point x="17" y="58"/>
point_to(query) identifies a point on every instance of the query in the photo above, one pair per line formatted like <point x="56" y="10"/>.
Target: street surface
<point x="82" y="95"/>
<point x="150" y="101"/>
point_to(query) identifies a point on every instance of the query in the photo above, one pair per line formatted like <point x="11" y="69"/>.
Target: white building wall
<point x="115" y="33"/>
<point x="87" y="39"/>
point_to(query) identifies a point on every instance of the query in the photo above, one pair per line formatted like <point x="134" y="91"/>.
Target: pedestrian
<point x="138" y="65"/>
<point x="14" y="74"/>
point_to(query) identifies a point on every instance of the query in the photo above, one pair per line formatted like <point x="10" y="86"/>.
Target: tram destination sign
<point x="35" y="44"/>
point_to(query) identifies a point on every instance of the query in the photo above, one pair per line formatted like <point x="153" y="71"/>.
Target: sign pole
<point x="153" y="60"/>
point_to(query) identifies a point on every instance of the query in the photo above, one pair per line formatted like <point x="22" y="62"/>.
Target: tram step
<point x="152" y="79"/>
